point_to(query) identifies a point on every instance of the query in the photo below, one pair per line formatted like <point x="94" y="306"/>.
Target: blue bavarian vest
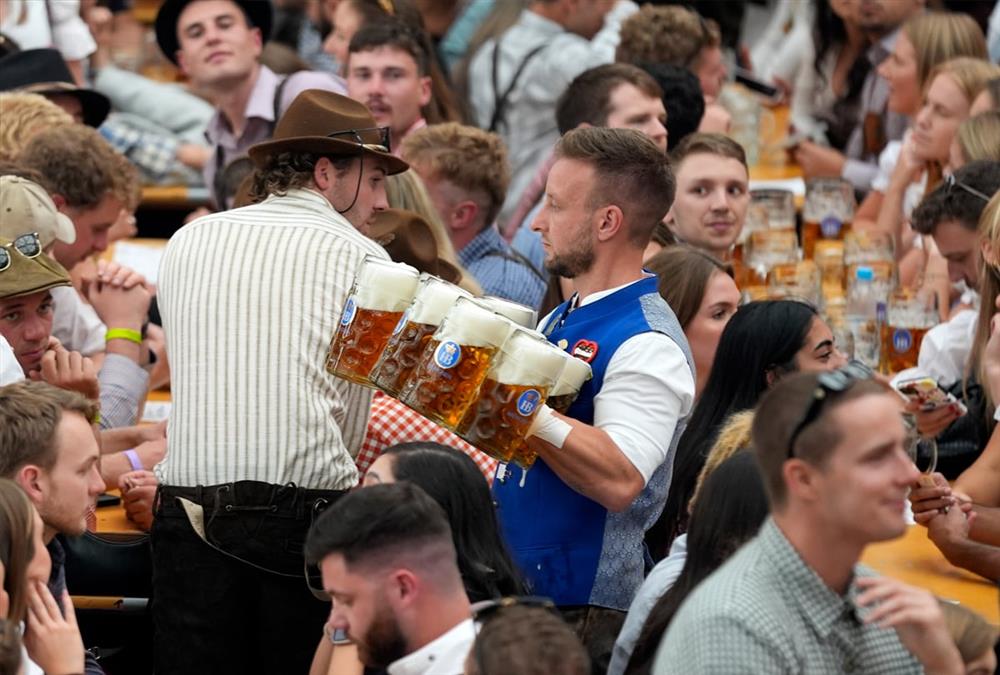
<point x="569" y="547"/>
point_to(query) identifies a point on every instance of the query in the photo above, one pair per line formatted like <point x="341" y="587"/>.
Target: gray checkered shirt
<point x="766" y="611"/>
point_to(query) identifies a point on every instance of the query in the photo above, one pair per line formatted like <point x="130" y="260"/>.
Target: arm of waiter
<point x="647" y="389"/>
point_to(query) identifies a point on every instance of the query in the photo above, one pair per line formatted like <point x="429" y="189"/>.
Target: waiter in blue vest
<point x="576" y="521"/>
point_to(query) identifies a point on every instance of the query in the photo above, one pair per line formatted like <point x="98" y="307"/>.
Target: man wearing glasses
<point x="261" y="438"/>
<point x="833" y="451"/>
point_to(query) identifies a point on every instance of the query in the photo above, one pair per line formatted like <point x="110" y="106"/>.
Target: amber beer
<point x="455" y="362"/>
<point x="910" y="314"/>
<point x="516" y="387"/>
<point x="382" y="290"/>
<point x="828" y="212"/>
<point x="399" y="358"/>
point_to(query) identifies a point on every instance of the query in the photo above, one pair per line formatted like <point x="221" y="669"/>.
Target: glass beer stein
<point x="434" y="298"/>
<point x="517" y="385"/>
<point x="455" y="362"/>
<point x="382" y="290"/>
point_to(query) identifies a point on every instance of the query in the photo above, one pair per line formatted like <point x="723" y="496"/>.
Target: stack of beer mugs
<point x="473" y="365"/>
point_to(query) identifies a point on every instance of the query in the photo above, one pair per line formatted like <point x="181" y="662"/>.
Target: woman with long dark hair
<point x="730" y="508"/>
<point x="762" y="342"/>
<point x="454" y="481"/>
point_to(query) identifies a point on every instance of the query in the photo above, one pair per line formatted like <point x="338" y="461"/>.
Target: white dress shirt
<point x="651" y="368"/>
<point x="444" y="656"/>
<point x="250" y="300"/>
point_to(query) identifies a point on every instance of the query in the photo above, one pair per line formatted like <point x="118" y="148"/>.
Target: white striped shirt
<point x="250" y="299"/>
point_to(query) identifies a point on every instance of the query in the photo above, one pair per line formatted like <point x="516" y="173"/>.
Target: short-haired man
<point x="217" y="45"/>
<point x="712" y="193"/>
<point x="250" y="299"/>
<point x="832" y="451"/>
<point x="465" y="171"/>
<point x="616" y="95"/>
<point x="516" y="78"/>
<point x="49" y="448"/>
<point x="88" y="183"/>
<point x="950" y="214"/>
<point x="389" y="566"/>
<point x="576" y="521"/>
<point x="387" y="71"/>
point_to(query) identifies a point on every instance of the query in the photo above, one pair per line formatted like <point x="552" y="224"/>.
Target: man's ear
<point x="800" y="479"/>
<point x="611" y="221"/>
<point x="403" y="587"/>
<point x="425" y="90"/>
<point x="29" y="478"/>
<point x="463" y="215"/>
<point x="59" y="201"/>
<point x="324" y="173"/>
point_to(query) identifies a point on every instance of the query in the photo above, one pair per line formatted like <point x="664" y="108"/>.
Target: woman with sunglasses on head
<point x="763" y="342"/>
<point x="52" y="640"/>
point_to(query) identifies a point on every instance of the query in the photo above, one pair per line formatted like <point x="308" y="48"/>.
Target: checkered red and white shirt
<point x="391" y="422"/>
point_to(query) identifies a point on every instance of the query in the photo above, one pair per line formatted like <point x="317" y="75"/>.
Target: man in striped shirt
<point x="261" y="438"/>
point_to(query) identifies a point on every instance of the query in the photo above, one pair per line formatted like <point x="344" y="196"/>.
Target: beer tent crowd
<point x="391" y="229"/>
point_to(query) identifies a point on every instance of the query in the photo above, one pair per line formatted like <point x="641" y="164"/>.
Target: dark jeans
<point x="597" y="628"/>
<point x="245" y="608"/>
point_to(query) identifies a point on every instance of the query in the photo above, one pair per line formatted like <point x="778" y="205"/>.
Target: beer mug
<point x="434" y="298"/>
<point x="863" y="248"/>
<point x="910" y="313"/>
<point x="382" y="290"/>
<point x="771" y="210"/>
<point x="767" y="248"/>
<point x="522" y="315"/>
<point x="883" y="277"/>
<point x="517" y="385"/>
<point x="828" y="212"/>
<point x="455" y="362"/>
<point x="799" y="280"/>
<point x="574" y="375"/>
<point x="829" y="258"/>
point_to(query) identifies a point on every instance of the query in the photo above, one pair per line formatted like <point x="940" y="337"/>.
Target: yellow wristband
<point x="123" y="334"/>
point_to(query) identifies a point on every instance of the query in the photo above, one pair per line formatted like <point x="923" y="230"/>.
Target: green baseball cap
<point x="24" y="275"/>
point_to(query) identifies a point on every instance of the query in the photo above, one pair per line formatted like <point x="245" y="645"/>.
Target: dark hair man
<point x="250" y="299"/>
<point x="576" y="521"/>
<point x="390" y="568"/>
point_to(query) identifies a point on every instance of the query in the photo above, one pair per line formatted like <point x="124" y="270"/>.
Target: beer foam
<point x="385" y="286"/>
<point x="574" y="374"/>
<point x="529" y="359"/>
<point x="434" y="300"/>
<point x="522" y="315"/>
<point x="472" y="325"/>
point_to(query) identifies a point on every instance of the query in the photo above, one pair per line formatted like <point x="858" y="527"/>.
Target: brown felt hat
<point x="321" y="122"/>
<point x="407" y="238"/>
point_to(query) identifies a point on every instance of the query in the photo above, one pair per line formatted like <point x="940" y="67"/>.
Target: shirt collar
<point x="597" y="295"/>
<point x="442" y="656"/>
<point x="881" y="49"/>
<point x="482" y="244"/>
<point x="311" y="200"/>
<point x="818" y="604"/>
<point x="260" y="105"/>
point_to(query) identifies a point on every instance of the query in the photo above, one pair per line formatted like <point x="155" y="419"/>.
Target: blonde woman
<point x="977" y="138"/>
<point x="406" y="191"/>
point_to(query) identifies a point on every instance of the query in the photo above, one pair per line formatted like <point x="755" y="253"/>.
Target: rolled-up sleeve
<point x="648" y="388"/>
<point x="123" y="387"/>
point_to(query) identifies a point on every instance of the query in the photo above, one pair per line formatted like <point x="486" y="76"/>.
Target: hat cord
<point x="357" y="190"/>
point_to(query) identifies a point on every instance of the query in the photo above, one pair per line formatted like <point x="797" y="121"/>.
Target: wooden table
<point x="914" y="559"/>
<point x="111" y="519"/>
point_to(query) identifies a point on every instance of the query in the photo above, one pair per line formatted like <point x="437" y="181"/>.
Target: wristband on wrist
<point x="123" y="334"/>
<point x="133" y="459"/>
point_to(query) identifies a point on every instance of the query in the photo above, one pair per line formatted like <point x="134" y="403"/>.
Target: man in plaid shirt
<point x="833" y="453"/>
<point x="392" y="422"/>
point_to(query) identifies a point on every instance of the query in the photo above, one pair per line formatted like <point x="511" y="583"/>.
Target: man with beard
<point x="575" y="522"/>
<point x="389" y="565"/>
